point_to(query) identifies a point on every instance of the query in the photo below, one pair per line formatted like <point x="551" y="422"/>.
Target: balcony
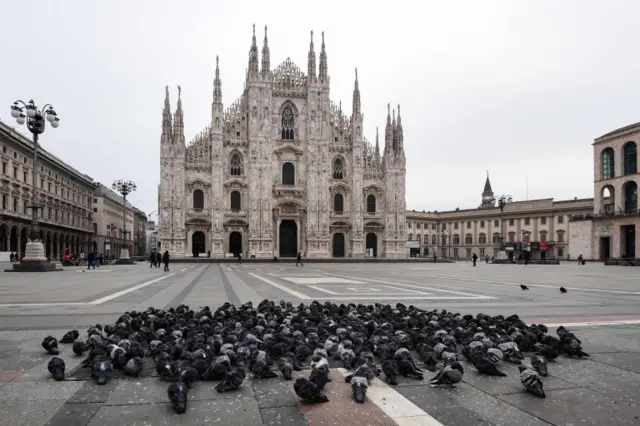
<point x="611" y="214"/>
<point x="235" y="213"/>
<point x="199" y="213"/>
<point x="280" y="190"/>
<point x="373" y="215"/>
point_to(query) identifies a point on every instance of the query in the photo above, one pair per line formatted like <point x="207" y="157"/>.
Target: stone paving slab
<point x="623" y="360"/>
<point x="74" y="415"/>
<point x="282" y="416"/>
<point x="28" y="413"/>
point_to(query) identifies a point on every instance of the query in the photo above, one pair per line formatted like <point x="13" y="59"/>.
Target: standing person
<point x="435" y="257"/>
<point x="239" y="257"/>
<point x="165" y="259"/>
<point x="475" y="259"/>
<point x="158" y="259"/>
<point x="580" y="259"/>
<point x="90" y="257"/>
<point x="152" y="260"/>
<point x="299" y="259"/>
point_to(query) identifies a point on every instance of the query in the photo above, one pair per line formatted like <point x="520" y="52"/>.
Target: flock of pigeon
<point x="188" y="346"/>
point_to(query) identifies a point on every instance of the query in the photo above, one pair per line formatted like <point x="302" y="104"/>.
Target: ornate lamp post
<point x="124" y="188"/>
<point x="503" y="200"/>
<point x="35" y="259"/>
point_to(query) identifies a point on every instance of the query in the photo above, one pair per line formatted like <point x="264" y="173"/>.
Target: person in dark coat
<point x="90" y="259"/>
<point x="158" y="259"/>
<point x="475" y="259"/>
<point x="239" y="257"/>
<point x="152" y="260"/>
<point x="299" y="259"/>
<point x="165" y="259"/>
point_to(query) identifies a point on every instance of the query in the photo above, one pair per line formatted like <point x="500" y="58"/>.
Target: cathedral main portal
<point x="288" y="238"/>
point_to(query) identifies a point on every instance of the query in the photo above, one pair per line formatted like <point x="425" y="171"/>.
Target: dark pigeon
<point x="359" y="386"/>
<point x="70" y="336"/>
<point x="308" y="391"/>
<point x="232" y="380"/>
<point x="390" y="370"/>
<point x="563" y="290"/>
<point x="56" y="367"/>
<point x="524" y="287"/>
<point x="486" y="366"/>
<point x="285" y="365"/>
<point x="134" y="366"/>
<point x="531" y="381"/>
<point x="79" y="348"/>
<point x="178" y="396"/>
<point x="101" y="370"/>
<point x="539" y="364"/>
<point x="450" y="375"/>
<point x="50" y="344"/>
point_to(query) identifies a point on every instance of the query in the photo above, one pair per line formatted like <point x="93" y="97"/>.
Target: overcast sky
<point x="518" y="88"/>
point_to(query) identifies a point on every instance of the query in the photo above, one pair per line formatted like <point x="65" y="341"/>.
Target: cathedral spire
<point x="399" y="133"/>
<point x="394" y="135"/>
<point x="217" y="84"/>
<point x="266" y="56"/>
<point x="488" y="200"/>
<point x="166" y="114"/>
<point x="355" y="105"/>
<point x="323" y="62"/>
<point x="311" y="62"/>
<point x="178" y="119"/>
<point x="377" y="149"/>
<point x="253" y="54"/>
<point x="388" y="132"/>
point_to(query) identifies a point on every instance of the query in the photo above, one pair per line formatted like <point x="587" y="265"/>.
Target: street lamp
<point x="124" y="188"/>
<point x="503" y="200"/>
<point x="34" y="259"/>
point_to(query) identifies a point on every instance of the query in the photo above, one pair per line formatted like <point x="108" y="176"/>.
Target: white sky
<point x="514" y="87"/>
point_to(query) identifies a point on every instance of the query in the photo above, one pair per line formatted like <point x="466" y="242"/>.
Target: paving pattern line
<point x="281" y="287"/>
<point x="129" y="290"/>
<point x="399" y="409"/>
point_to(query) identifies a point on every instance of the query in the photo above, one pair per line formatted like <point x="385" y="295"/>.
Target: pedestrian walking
<point x="239" y="258"/>
<point x="90" y="259"/>
<point x="435" y="257"/>
<point x="475" y="259"/>
<point x="299" y="259"/>
<point x="165" y="259"/>
<point x="152" y="260"/>
<point x="158" y="259"/>
<point x="580" y="260"/>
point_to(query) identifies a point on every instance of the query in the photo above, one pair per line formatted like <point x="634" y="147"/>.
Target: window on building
<point x="434" y="240"/>
<point x="496" y="223"/>
<point x="560" y="252"/>
<point x="481" y="252"/>
<point x="560" y="236"/>
<point x="607" y="163"/>
<point x="95" y="210"/>
<point x="630" y="158"/>
<point x="468" y="239"/>
<point x="25" y="176"/>
<point x="469" y="224"/>
<point x="236" y="201"/>
<point x="41" y="183"/>
<point x="543" y="236"/>
<point x="444" y="252"/>
<point x="236" y="167"/>
<point x="526" y="221"/>
<point x="49" y="213"/>
<point x="526" y="237"/>
<point x="419" y="239"/>
<point x="482" y="239"/>
<point x="444" y="240"/>
<point x="455" y="225"/>
<point x="4" y="167"/>
<point x="511" y="222"/>
<point x="512" y="237"/>
<point x="15" y="172"/>
<point x="496" y="238"/>
<point x="444" y="226"/>
<point x="433" y="226"/>
<point x="560" y="219"/>
<point x="456" y="239"/>
<point x="198" y="199"/>
<point x="468" y="252"/>
<point x="543" y="221"/>
<point x="288" y="123"/>
<point x="630" y="190"/>
<point x="410" y="237"/>
<point x="25" y="207"/>
<point x="288" y="174"/>
<point x="482" y="224"/>
<point x="338" y="169"/>
<point x="455" y="253"/>
<point x="5" y="202"/>
<point x="338" y="203"/>
<point x="371" y="203"/>
<point x="15" y="204"/>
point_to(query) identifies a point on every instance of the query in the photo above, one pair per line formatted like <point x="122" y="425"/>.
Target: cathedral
<point x="282" y="170"/>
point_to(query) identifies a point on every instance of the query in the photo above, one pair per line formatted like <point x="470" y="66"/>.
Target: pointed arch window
<point x="338" y="169"/>
<point x="288" y="123"/>
<point x="236" y="166"/>
<point x="338" y="203"/>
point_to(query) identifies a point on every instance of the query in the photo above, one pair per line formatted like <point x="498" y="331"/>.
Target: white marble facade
<point x="281" y="170"/>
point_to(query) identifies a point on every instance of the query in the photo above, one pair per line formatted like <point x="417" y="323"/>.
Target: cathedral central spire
<point x="166" y="114"/>
<point x="178" y="117"/>
<point x="253" y="54"/>
<point x="377" y="151"/>
<point x="217" y="84"/>
<point x="388" y="132"/>
<point x="323" y="61"/>
<point x="266" y="56"/>
<point x="356" y="97"/>
<point x="311" y="62"/>
<point x="399" y="133"/>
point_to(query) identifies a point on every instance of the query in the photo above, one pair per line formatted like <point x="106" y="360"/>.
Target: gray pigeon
<point x="359" y="386"/>
<point x="101" y="370"/>
<point x="133" y="367"/>
<point x="56" y="367"/>
<point x="178" y="396"/>
<point x="450" y="375"/>
<point x="539" y="363"/>
<point x="531" y="381"/>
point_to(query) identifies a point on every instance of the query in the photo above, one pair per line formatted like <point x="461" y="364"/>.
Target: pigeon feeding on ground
<point x="56" y="367"/>
<point x="50" y="344"/>
<point x="524" y="287"/>
<point x="563" y="290"/>
<point x="539" y="364"/>
<point x="531" y="381"/>
<point x="178" y="396"/>
<point x="191" y="346"/>
<point x="359" y="386"/>
<point x="70" y="336"/>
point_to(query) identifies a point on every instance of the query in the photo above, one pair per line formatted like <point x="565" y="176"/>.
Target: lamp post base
<point x="34" y="260"/>
<point x="124" y="258"/>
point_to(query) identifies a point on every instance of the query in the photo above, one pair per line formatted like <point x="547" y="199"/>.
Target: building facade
<point x="152" y="237"/>
<point x="139" y="233"/>
<point x="539" y="227"/>
<point x="616" y="216"/>
<point x="109" y="235"/>
<point x="281" y="170"/>
<point x="64" y="193"/>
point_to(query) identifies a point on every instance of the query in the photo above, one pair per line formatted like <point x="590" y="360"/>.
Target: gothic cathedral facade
<point x="282" y="170"/>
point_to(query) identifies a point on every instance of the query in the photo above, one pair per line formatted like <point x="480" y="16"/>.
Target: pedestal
<point x="124" y="258"/>
<point x="502" y="255"/>
<point x="34" y="260"/>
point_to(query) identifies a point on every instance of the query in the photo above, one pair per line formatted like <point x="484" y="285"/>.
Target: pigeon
<point x="178" y="396"/>
<point x="320" y="375"/>
<point x="232" y="380"/>
<point x="308" y="391"/>
<point x="539" y="364"/>
<point x="359" y="386"/>
<point x="450" y="375"/>
<point x="524" y="287"/>
<point x="486" y="366"/>
<point x="390" y="370"/>
<point x="133" y="367"/>
<point x="50" y="344"/>
<point x="101" y="370"/>
<point x="285" y="365"/>
<point x="188" y="376"/>
<point x="531" y="381"/>
<point x="70" y="336"/>
<point x="563" y="290"/>
<point x="79" y="348"/>
<point x="56" y="367"/>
